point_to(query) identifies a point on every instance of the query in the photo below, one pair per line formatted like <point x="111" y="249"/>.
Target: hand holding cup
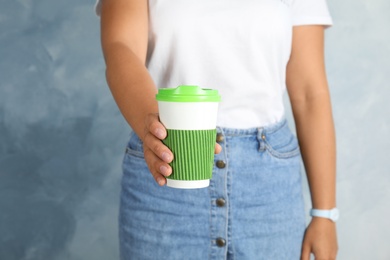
<point x="157" y="155"/>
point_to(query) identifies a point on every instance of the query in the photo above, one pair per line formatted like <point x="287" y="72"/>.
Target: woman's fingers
<point x="158" y="148"/>
<point x="154" y="133"/>
<point x="218" y="148"/>
<point x="154" y="126"/>
<point x="158" y="168"/>
<point x="305" y="253"/>
<point x="157" y="155"/>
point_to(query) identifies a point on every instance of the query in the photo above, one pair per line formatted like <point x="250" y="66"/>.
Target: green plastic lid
<point x="188" y="94"/>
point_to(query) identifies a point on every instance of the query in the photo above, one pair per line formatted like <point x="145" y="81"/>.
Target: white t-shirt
<point x="239" y="47"/>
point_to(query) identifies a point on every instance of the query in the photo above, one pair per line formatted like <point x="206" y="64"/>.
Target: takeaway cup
<point x="189" y="113"/>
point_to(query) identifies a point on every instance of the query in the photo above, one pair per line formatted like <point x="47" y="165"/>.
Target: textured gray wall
<point x="62" y="137"/>
<point x="358" y="60"/>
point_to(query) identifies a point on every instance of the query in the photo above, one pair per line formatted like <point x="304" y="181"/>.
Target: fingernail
<point x="161" y="181"/>
<point x="164" y="170"/>
<point x="166" y="157"/>
<point x="160" y="133"/>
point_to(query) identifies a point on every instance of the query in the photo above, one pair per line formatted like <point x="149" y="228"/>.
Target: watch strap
<point x="332" y="214"/>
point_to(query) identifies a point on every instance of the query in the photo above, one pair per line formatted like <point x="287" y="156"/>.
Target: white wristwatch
<point x="332" y="214"/>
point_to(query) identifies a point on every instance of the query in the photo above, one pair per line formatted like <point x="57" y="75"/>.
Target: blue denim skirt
<point x="253" y="208"/>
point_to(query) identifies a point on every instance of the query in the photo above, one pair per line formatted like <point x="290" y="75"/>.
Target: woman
<point x="250" y="51"/>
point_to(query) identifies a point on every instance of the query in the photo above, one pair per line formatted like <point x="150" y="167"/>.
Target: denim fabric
<point x="262" y="217"/>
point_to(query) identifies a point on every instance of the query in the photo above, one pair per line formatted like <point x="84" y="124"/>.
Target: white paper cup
<point x="189" y="114"/>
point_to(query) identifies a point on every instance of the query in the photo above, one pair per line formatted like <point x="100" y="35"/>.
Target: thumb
<point x="305" y="254"/>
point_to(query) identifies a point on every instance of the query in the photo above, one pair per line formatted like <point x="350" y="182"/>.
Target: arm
<point x="310" y="100"/>
<point x="124" y="36"/>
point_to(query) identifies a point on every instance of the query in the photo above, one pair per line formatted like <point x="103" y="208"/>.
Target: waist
<point x="269" y="129"/>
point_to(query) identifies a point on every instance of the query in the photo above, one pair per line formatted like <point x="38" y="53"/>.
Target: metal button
<point x="220" y="164"/>
<point x="220" y="202"/>
<point x="220" y="242"/>
<point x="220" y="138"/>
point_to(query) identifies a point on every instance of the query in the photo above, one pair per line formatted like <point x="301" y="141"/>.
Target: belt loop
<point x="261" y="138"/>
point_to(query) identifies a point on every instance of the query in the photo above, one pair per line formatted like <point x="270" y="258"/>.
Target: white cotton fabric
<point x="241" y="48"/>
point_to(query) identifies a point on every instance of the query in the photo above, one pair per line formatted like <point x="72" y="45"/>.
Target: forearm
<point x="310" y="100"/>
<point x="131" y="85"/>
<point x="124" y="37"/>
<point x="315" y="130"/>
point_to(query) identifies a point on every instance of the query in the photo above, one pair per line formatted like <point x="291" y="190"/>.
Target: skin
<point x="310" y="101"/>
<point x="124" y="35"/>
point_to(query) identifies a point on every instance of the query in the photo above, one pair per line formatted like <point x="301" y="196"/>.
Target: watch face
<point x="334" y="214"/>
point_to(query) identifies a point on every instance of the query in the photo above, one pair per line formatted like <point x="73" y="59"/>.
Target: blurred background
<point x="62" y="137"/>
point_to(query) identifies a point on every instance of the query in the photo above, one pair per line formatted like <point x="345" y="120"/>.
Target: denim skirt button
<point x="220" y="242"/>
<point x="219" y="138"/>
<point x="220" y="202"/>
<point x="220" y="164"/>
